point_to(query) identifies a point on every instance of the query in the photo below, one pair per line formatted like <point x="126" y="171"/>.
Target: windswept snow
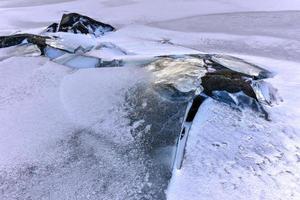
<point x="103" y="134"/>
<point x="87" y="134"/>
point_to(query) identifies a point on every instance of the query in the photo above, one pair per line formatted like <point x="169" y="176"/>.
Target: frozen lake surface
<point x="103" y="133"/>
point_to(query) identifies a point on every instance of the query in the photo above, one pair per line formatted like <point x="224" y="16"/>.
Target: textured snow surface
<point x="103" y="134"/>
<point x="237" y="155"/>
<point x="88" y="134"/>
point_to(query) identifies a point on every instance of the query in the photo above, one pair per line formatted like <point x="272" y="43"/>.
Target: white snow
<point x="89" y="100"/>
<point x="64" y="133"/>
<point x="31" y="113"/>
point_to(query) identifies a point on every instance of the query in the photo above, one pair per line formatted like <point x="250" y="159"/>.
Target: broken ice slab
<point x="182" y="77"/>
<point x="265" y="92"/>
<point x="76" y="23"/>
<point x="53" y="53"/>
<point x="13" y="40"/>
<point x="77" y="61"/>
<point x="108" y="51"/>
<point x="240" y="101"/>
<point x="225" y="80"/>
<point x="239" y="65"/>
<point x="177" y="78"/>
<point x="82" y="61"/>
<point x="22" y="50"/>
<point x="70" y="42"/>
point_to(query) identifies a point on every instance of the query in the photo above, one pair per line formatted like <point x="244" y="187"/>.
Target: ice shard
<point x="22" y="50"/>
<point x="76" y="23"/>
<point x="13" y="40"/>
<point x="239" y="65"/>
<point x="265" y="92"/>
<point x="177" y="78"/>
<point x="70" y="42"/>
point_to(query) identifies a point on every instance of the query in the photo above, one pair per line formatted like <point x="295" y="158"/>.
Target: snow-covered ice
<point x="103" y="133"/>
